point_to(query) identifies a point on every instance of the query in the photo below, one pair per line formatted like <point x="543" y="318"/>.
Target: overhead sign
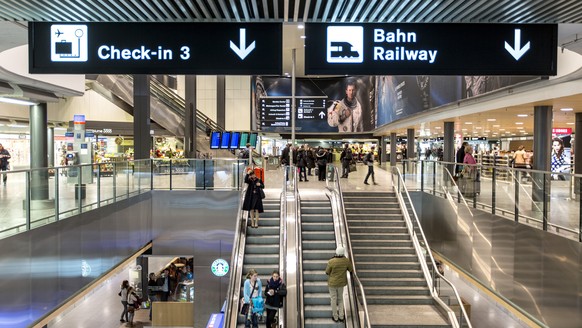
<point x="561" y="130"/>
<point x="431" y="49"/>
<point x="155" y="48"/>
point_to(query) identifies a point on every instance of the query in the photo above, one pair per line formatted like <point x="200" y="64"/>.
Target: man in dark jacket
<point x="369" y="161"/>
<point x="346" y="158"/>
<point x="337" y="268"/>
<point x="4" y="157"/>
<point x="285" y="158"/>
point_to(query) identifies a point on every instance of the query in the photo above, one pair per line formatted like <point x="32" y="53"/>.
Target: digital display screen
<point x="234" y="140"/>
<point x="244" y="138"/>
<point x="225" y="141"/>
<point x="253" y="140"/>
<point x="215" y="140"/>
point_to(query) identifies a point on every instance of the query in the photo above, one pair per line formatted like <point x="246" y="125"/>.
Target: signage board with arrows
<point x="155" y="48"/>
<point x="431" y="49"/>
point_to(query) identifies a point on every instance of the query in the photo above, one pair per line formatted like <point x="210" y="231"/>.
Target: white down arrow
<point x="517" y="51"/>
<point x="242" y="51"/>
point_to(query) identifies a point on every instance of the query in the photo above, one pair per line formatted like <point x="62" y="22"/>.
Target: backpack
<point x="258" y="305"/>
<point x="348" y="156"/>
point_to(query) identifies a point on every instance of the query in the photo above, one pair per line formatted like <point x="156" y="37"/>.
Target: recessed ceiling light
<point x="17" y="101"/>
<point x="568" y="109"/>
<point x="491" y="119"/>
<point x="522" y="115"/>
<point x="468" y="122"/>
<point x="513" y="134"/>
<point x="437" y="127"/>
<point x="487" y="131"/>
<point x="570" y="123"/>
<point x="464" y="130"/>
<point x="300" y="26"/>
<point x="519" y="127"/>
<point x="501" y="129"/>
<point x="478" y="127"/>
<point x="519" y="123"/>
<point x="303" y="36"/>
<point x="496" y="125"/>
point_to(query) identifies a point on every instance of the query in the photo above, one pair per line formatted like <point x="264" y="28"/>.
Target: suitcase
<point x="260" y="173"/>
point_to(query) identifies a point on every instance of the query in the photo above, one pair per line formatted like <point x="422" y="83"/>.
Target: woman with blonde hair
<point x="252" y="290"/>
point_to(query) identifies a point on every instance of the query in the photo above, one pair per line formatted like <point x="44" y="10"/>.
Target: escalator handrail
<point x="283" y="242"/>
<point x="299" y="251"/>
<point x="233" y="290"/>
<point x="348" y="247"/>
<point x="396" y="171"/>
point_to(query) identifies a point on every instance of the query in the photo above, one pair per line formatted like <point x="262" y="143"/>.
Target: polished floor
<point x="102" y="308"/>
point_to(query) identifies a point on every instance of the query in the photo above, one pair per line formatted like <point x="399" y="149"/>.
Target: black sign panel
<point x="275" y="112"/>
<point x="431" y="49"/>
<point x="155" y="48"/>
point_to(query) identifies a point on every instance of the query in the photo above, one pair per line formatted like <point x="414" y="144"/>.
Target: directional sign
<point x="431" y="49"/>
<point x="155" y="48"/>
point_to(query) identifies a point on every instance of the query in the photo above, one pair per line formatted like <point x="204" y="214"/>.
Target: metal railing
<point x="428" y="264"/>
<point x="36" y="197"/>
<point x="549" y="201"/>
<point x="334" y="186"/>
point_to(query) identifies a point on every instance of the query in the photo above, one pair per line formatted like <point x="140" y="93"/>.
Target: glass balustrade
<point x="33" y="198"/>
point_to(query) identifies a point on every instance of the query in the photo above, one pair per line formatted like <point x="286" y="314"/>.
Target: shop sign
<point x="431" y="49"/>
<point x="155" y="48"/>
<point x="219" y="267"/>
<point x="561" y="130"/>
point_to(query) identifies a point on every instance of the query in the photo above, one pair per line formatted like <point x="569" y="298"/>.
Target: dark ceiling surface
<point x="427" y="11"/>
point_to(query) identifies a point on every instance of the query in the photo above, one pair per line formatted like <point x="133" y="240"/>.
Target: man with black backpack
<point x="346" y="158"/>
<point x="369" y="161"/>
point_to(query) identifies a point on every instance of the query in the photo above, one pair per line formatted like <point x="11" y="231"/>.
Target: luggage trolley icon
<point x="69" y="43"/>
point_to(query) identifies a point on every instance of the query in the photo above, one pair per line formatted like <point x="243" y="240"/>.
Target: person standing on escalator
<point x="336" y="270"/>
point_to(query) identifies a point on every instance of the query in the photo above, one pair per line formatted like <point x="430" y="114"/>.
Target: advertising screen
<point x="234" y="140"/>
<point x="253" y="140"/>
<point x="244" y="138"/>
<point x="225" y="140"/>
<point x="215" y="140"/>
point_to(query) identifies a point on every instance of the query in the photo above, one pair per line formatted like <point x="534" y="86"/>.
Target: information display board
<point x="431" y="49"/>
<point x="155" y="48"/>
<point x="225" y="140"/>
<point x="234" y="140"/>
<point x="215" y="140"/>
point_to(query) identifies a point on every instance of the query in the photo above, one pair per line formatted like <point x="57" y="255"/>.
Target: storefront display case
<point x="185" y="291"/>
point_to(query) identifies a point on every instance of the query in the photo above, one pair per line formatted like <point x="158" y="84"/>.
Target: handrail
<point x="299" y="250"/>
<point x="283" y="242"/>
<point x="348" y="247"/>
<point x="237" y="265"/>
<point x="413" y="232"/>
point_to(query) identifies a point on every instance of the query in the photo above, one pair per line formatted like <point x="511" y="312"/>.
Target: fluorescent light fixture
<point x="487" y="131"/>
<point x="522" y="115"/>
<point x="437" y="127"/>
<point x="59" y="128"/>
<point x="468" y="122"/>
<point x="478" y="127"/>
<point x="501" y="129"/>
<point x="570" y="123"/>
<point x="17" y="126"/>
<point x="519" y="127"/>
<point x="17" y="101"/>
<point x="568" y="109"/>
<point x="464" y="130"/>
<point x="518" y="123"/>
<point x="300" y="26"/>
<point x="491" y="119"/>
<point x="303" y="36"/>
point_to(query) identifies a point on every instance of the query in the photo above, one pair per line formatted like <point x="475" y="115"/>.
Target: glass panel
<point x="161" y="173"/>
<point x="106" y="182"/>
<point x="184" y="173"/>
<point x="122" y="180"/>
<point x="12" y="198"/>
<point x="68" y="179"/>
<point x="563" y="208"/>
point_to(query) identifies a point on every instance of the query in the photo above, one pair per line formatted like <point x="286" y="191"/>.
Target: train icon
<point x="343" y="50"/>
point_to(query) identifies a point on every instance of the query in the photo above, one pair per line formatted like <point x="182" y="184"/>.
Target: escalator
<point x="261" y="250"/>
<point x="166" y="107"/>
<point x="318" y="246"/>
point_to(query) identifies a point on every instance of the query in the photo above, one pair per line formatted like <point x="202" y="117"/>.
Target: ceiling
<point x="568" y="13"/>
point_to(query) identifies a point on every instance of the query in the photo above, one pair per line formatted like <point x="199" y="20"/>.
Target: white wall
<point x="238" y="103"/>
<point x="92" y="104"/>
<point x="206" y="95"/>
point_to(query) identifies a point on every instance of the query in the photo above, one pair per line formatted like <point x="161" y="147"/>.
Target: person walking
<point x="460" y="156"/>
<point x="153" y="290"/>
<point x="337" y="268"/>
<point x="321" y="163"/>
<point x="4" y="158"/>
<point x="132" y="304"/>
<point x="275" y="292"/>
<point x="165" y="285"/>
<point x="369" y="161"/>
<point x="253" y="201"/>
<point x="252" y="289"/>
<point x="302" y="163"/>
<point x="310" y="159"/>
<point x="285" y="161"/>
<point x="123" y="294"/>
<point x="346" y="158"/>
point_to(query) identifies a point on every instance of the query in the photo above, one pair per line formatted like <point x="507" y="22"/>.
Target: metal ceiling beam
<point x="354" y="15"/>
<point x="123" y="11"/>
<point x="438" y="10"/>
<point x="395" y="13"/>
<point x="347" y="10"/>
<point x="21" y="13"/>
<point x="215" y="11"/>
<point x="143" y="10"/>
<point x="234" y="10"/>
<point x="536" y="5"/>
<point x="475" y="15"/>
<point x="419" y="10"/>
<point x="404" y="13"/>
<point x="364" y="16"/>
<point x="338" y="8"/>
<point x="286" y="11"/>
<point x="100" y="11"/>
<point x="163" y="10"/>
<point x="266" y="9"/>
<point x="455" y="14"/>
<point x="445" y="15"/>
<point x="276" y="9"/>
<point x="306" y="10"/>
<point x="255" y="9"/>
<point x="244" y="9"/>
<point x="378" y="10"/>
<point x="326" y="11"/>
<point x="296" y="11"/>
<point x="113" y="11"/>
<point x="57" y="13"/>
<point x="172" y="8"/>
<point x="225" y="10"/>
<point x="316" y="11"/>
<point x="205" y="11"/>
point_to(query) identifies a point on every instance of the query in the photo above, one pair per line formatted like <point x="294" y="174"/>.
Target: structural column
<point x="542" y="157"/>
<point x="51" y="146"/>
<point x="577" y="148"/>
<point x="449" y="142"/>
<point x="38" y="152"/>
<point x="221" y="101"/>
<point x="392" y="149"/>
<point x="190" y="118"/>
<point x="410" y="153"/>
<point x="141" y="117"/>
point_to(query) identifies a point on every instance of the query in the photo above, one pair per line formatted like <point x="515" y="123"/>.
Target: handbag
<point x="244" y="309"/>
<point x="262" y="193"/>
<point x="353" y="167"/>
